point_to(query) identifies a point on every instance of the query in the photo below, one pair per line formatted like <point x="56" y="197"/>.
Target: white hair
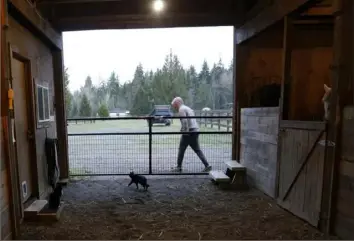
<point x="177" y="100"/>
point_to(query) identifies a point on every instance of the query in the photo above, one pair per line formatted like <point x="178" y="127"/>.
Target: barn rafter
<point x="67" y="15"/>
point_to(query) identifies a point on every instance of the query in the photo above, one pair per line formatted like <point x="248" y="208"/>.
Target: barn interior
<point x="284" y="51"/>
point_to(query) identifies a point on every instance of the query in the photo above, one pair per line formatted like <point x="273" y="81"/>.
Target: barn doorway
<point x="118" y="107"/>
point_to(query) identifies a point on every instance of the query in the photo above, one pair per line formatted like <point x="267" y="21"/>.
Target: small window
<point x="43" y="106"/>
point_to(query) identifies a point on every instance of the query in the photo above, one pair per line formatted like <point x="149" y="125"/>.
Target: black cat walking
<point x="55" y="197"/>
<point x="138" y="179"/>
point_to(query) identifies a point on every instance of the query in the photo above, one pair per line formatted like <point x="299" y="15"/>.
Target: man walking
<point x="192" y="138"/>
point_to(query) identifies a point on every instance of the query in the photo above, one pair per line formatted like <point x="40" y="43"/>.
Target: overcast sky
<point x="97" y="53"/>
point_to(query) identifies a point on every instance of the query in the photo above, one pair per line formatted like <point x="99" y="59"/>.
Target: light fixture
<point x="158" y="5"/>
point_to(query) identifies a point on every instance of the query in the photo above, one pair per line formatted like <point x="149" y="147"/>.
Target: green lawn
<point x="141" y="126"/>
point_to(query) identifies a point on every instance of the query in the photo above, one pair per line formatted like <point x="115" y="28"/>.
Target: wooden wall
<point x="344" y="217"/>
<point x="263" y="63"/>
<point x="4" y="194"/>
<point x="258" y="151"/>
<point x="24" y="43"/>
<point x="5" y="214"/>
<point x="312" y="57"/>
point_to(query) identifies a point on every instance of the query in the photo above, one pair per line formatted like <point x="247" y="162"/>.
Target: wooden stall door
<point x="22" y="130"/>
<point x="301" y="163"/>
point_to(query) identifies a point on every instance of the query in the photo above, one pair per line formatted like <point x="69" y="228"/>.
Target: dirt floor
<point x="183" y="208"/>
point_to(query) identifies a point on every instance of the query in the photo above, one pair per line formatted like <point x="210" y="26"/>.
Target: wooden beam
<point x="268" y="17"/>
<point x="235" y="119"/>
<point x="240" y="99"/>
<point x="36" y="21"/>
<point x="7" y="117"/>
<point x="126" y="22"/>
<point x="342" y="89"/>
<point x="302" y="125"/>
<point x="56" y="2"/>
<point x="319" y="11"/>
<point x="286" y="79"/>
<point x="314" y="22"/>
<point x="62" y="132"/>
<point x="143" y="7"/>
<point x="257" y="8"/>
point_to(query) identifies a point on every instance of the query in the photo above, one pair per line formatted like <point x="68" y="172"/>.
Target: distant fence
<point x="208" y="122"/>
<point x="116" y="146"/>
<point x="217" y="123"/>
<point x="80" y="121"/>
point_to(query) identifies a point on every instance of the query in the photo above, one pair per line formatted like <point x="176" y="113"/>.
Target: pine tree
<point x="67" y="93"/>
<point x="88" y="82"/>
<point x="103" y="111"/>
<point x="114" y="89"/>
<point x="85" y="108"/>
<point x="74" y="111"/>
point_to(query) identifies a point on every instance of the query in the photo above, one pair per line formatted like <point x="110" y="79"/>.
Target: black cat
<point x="138" y="179"/>
<point x="55" y="197"/>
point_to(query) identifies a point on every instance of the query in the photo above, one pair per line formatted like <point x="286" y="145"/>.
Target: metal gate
<point x="116" y="146"/>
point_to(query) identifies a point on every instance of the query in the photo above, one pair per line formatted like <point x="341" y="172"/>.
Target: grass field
<point x="121" y="151"/>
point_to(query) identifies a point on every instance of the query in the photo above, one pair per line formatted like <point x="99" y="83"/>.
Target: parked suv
<point x="161" y="114"/>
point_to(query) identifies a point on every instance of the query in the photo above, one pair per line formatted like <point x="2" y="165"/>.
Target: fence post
<point x="205" y="119"/>
<point x="219" y="122"/>
<point x="209" y="120"/>
<point x="228" y="122"/>
<point x="212" y="120"/>
<point x="150" y="144"/>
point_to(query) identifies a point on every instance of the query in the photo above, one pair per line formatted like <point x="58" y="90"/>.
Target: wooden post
<point x="241" y="53"/>
<point x="341" y="94"/>
<point x="6" y="116"/>
<point x="58" y="69"/>
<point x="286" y="79"/>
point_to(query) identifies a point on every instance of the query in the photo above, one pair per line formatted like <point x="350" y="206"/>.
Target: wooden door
<point x="22" y="130"/>
<point x="301" y="163"/>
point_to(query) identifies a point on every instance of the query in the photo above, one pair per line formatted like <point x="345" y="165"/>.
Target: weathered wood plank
<point x="4" y="198"/>
<point x="266" y="18"/>
<point x="303" y="198"/>
<point x="303" y="162"/>
<point x="234" y="166"/>
<point x="219" y="176"/>
<point x="258" y="150"/>
<point x="261" y="111"/>
<point x="247" y="135"/>
<point x="302" y="125"/>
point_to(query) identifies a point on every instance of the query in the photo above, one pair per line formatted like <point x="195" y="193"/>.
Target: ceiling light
<point x="158" y="5"/>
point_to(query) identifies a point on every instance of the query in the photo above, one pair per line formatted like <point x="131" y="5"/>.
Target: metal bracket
<point x="328" y="143"/>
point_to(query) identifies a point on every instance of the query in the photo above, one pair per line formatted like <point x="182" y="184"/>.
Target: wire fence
<point x="116" y="146"/>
